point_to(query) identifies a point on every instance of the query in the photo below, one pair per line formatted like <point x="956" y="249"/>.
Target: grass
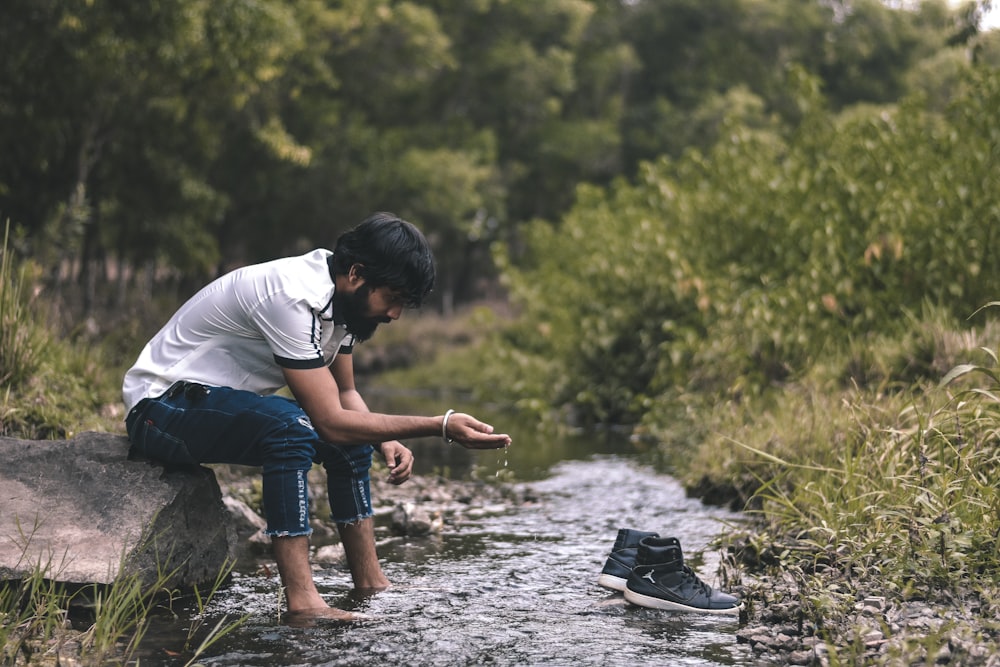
<point x="22" y="339"/>
<point x="891" y="490"/>
<point x="36" y="612"/>
<point x="49" y="387"/>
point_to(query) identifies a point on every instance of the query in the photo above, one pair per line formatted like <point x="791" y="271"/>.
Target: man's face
<point x="366" y="308"/>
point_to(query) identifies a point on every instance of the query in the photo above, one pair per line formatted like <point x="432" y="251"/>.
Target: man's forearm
<point x="349" y="426"/>
<point x="352" y="400"/>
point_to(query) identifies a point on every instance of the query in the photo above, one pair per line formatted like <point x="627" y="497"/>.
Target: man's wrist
<point x="444" y="426"/>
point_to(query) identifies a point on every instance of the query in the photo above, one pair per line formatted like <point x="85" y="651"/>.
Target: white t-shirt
<point x="242" y="329"/>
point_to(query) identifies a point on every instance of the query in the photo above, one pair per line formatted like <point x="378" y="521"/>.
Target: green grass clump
<point x="49" y="387"/>
<point x="40" y="617"/>
<point x="22" y="338"/>
<point x="906" y="481"/>
<point x="886" y="488"/>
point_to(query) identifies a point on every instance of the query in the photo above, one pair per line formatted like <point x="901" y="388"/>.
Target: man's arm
<point x="342" y="370"/>
<point x="397" y="456"/>
<point x="330" y="409"/>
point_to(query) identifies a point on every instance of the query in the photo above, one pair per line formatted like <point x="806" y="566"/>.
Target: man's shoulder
<point x="314" y="260"/>
<point x="302" y="278"/>
<point x="293" y="270"/>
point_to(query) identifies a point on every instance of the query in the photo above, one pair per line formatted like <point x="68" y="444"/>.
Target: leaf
<point x="988" y="394"/>
<point x="956" y="372"/>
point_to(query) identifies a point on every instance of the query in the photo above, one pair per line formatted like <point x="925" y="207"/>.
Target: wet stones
<point x="880" y="630"/>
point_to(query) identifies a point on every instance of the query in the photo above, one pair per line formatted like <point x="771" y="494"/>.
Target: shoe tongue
<point x="661" y="551"/>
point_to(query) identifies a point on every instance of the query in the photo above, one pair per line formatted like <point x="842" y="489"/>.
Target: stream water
<point x="513" y="586"/>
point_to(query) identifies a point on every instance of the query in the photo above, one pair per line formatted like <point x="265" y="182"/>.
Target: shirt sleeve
<point x="292" y="330"/>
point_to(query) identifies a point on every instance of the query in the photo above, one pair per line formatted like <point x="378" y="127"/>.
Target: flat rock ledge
<point x="81" y="512"/>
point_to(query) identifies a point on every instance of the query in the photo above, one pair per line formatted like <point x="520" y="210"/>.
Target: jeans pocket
<point x="150" y="441"/>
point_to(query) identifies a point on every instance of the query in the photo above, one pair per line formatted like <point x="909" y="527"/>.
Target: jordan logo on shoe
<point x="649" y="575"/>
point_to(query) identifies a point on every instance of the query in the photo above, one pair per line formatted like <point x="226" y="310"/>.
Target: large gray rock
<point x="84" y="513"/>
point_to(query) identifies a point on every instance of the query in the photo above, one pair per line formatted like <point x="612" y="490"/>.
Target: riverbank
<point x="826" y="616"/>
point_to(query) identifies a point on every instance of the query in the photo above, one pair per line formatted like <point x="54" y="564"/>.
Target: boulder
<point x="82" y="512"/>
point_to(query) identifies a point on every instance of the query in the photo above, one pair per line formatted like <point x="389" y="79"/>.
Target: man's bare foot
<point x="305" y="618"/>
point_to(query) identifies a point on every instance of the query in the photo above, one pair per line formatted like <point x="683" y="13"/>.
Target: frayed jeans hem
<point x="350" y="522"/>
<point x="288" y="533"/>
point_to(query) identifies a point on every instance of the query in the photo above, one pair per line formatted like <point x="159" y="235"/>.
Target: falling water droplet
<point x="505" y="448"/>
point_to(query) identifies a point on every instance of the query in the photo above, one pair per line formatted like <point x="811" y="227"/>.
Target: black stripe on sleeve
<point x="315" y="362"/>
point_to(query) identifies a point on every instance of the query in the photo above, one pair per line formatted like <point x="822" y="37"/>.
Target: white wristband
<point x="444" y="426"/>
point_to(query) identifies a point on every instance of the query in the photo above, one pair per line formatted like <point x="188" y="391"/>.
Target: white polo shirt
<point x="242" y="329"/>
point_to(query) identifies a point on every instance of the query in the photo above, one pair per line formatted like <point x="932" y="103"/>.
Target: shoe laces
<point x="706" y="589"/>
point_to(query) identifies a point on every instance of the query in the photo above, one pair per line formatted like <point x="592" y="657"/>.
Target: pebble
<point x="892" y="632"/>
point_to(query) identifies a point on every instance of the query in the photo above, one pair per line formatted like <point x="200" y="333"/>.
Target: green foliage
<point x="603" y="295"/>
<point x="190" y="136"/>
<point x="47" y="385"/>
<point x="741" y="268"/>
<point x="34" y="617"/>
<point x="22" y="337"/>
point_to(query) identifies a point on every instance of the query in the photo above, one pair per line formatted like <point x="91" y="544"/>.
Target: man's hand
<point x="474" y="434"/>
<point x="399" y="459"/>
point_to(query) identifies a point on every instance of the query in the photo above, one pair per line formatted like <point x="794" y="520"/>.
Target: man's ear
<point x="354" y="278"/>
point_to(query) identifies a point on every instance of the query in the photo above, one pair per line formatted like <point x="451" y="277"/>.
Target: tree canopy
<point x="193" y="135"/>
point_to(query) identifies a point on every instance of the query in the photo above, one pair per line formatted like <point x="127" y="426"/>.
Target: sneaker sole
<point x="660" y="603"/>
<point x="612" y="582"/>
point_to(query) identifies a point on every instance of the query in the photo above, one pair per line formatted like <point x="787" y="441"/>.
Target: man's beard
<point x="352" y="308"/>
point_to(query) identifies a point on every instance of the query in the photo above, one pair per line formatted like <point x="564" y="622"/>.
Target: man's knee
<point x="292" y="445"/>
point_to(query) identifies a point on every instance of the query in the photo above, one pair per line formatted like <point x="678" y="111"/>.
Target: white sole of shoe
<point x="659" y="603"/>
<point x="611" y="582"/>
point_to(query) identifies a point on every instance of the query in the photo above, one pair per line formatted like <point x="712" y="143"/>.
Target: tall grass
<point x="22" y="339"/>
<point x="35" y="617"/>
<point x="49" y="387"/>
<point x="891" y="489"/>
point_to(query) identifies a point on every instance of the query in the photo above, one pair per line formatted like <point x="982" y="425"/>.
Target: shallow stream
<point x="512" y="586"/>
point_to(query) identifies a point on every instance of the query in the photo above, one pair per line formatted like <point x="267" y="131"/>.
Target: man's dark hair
<point x="389" y="252"/>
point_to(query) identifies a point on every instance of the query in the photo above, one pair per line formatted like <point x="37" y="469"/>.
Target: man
<point x="202" y="390"/>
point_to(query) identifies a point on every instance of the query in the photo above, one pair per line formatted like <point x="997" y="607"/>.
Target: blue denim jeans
<point x="193" y="423"/>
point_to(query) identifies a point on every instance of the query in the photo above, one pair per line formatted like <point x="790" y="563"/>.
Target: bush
<point x="739" y="270"/>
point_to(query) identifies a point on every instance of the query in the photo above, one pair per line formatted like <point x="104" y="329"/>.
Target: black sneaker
<point x="661" y="580"/>
<point x="621" y="560"/>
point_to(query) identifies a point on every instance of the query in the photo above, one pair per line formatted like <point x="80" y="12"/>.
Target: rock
<point x="873" y="605"/>
<point x="801" y="658"/>
<point x="330" y="555"/>
<point x="84" y="513"/>
<point x="249" y="528"/>
<point x="414" y="520"/>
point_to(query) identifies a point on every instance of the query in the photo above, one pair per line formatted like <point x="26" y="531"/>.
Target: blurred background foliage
<point x="739" y="268"/>
<point x="669" y="195"/>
